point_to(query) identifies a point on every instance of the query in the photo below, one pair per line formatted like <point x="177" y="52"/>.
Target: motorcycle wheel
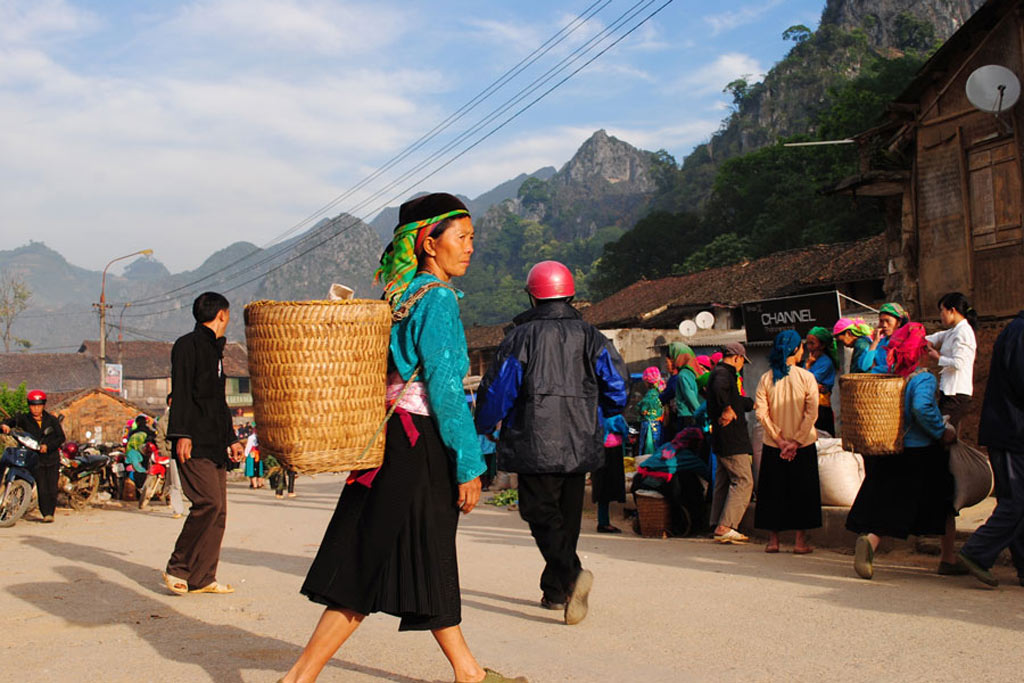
<point x="83" y="491"/>
<point x="16" y="500"/>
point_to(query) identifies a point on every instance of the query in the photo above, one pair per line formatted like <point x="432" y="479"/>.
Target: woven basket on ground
<point x="872" y="419"/>
<point x="654" y="514"/>
<point x="318" y="373"/>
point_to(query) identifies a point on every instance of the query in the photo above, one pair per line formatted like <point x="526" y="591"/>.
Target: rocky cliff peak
<point x="608" y="158"/>
<point x="895" y="24"/>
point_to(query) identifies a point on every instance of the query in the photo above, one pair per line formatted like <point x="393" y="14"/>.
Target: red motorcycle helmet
<point x="70" y="449"/>
<point x="36" y="398"/>
<point x="550" y="280"/>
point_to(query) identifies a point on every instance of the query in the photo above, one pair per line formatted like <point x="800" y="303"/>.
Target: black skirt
<point x="608" y="483"/>
<point x="788" y="493"/>
<point x="391" y="548"/>
<point x="910" y="493"/>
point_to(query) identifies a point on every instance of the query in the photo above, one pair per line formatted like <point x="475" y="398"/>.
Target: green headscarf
<point x="895" y="310"/>
<point x="828" y="342"/>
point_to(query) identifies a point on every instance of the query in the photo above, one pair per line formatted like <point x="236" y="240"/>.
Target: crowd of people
<point x="536" y="406"/>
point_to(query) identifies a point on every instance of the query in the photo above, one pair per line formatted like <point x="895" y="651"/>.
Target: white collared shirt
<point x="957" y="348"/>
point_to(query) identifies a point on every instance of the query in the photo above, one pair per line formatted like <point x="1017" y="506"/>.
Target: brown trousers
<point x="197" y="550"/>
<point x="734" y="483"/>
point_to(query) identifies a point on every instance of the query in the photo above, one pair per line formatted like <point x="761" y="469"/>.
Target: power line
<point x="631" y="14"/>
<point x="496" y="85"/>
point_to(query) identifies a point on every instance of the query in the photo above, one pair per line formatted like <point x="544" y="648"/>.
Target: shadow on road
<point x="222" y="651"/>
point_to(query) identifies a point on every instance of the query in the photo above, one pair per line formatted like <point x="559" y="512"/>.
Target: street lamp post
<point x="103" y="310"/>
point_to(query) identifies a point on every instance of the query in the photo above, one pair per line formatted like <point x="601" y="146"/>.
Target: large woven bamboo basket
<point x="318" y="373"/>
<point x="872" y="417"/>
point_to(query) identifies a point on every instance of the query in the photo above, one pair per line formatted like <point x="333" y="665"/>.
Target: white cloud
<point x="727" y="21"/>
<point x="712" y="78"/>
<point x="23" y="21"/>
<point x="299" y="25"/>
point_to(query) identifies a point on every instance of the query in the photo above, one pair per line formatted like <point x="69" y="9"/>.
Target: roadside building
<point x="96" y="416"/>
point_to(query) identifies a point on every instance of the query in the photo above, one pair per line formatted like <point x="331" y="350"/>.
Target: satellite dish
<point x="993" y="88"/>
<point x="687" y="328"/>
<point x="705" y="320"/>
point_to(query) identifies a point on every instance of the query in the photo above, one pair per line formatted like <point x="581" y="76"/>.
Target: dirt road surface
<point x="83" y="600"/>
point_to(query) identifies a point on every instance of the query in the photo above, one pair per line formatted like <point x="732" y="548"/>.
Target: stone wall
<point x="101" y="415"/>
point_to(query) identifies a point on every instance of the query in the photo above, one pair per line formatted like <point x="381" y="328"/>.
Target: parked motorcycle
<point x="113" y="474"/>
<point x="155" y="485"/>
<point x="79" y="478"/>
<point x="16" y="468"/>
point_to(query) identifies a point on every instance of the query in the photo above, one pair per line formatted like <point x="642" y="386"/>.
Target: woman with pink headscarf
<point x="651" y="411"/>
<point x="909" y="493"/>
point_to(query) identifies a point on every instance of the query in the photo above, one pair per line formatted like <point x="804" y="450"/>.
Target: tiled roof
<point x="656" y="303"/>
<point x="152" y="360"/>
<point x="489" y="337"/>
<point x="49" y="372"/>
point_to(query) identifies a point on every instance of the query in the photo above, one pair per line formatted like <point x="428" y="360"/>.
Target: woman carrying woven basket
<point x="390" y="546"/>
<point x="909" y="492"/>
<point x="786" y="405"/>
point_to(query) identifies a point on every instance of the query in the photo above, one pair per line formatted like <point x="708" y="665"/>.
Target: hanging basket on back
<point x="318" y="374"/>
<point x="872" y="418"/>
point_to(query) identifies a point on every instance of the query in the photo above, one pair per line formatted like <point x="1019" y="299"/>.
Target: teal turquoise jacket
<point x="862" y="359"/>
<point x="432" y="336"/>
<point x="921" y="409"/>
<point x="687" y="398"/>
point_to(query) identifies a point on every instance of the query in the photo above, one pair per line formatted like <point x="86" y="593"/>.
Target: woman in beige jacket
<point x="786" y="404"/>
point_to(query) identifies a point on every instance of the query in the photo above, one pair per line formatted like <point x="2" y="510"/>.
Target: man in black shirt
<point x="45" y="429"/>
<point x="734" y="481"/>
<point x="200" y="427"/>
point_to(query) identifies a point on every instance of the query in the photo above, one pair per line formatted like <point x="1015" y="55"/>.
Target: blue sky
<point x="186" y="126"/>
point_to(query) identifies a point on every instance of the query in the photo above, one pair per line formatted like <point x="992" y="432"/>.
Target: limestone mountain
<point x="796" y="89"/>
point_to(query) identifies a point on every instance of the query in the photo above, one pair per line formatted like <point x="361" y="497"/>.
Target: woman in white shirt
<point x="955" y="349"/>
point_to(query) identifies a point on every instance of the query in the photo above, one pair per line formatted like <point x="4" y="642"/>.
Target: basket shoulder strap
<point x="405" y="308"/>
<point x="391" y="411"/>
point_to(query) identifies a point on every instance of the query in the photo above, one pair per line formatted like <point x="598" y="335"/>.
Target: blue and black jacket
<point x="553" y="381"/>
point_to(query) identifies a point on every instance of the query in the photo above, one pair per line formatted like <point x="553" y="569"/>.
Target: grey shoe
<point x="576" y="606"/>
<point x="977" y="571"/>
<point x="864" y="558"/>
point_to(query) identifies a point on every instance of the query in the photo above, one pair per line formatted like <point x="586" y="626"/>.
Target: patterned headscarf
<point x="786" y="344"/>
<point x="856" y="326"/>
<point x="895" y="310"/>
<point x="906" y="346"/>
<point x="652" y="376"/>
<point x="704" y="362"/>
<point x="417" y="219"/>
<point x="828" y="342"/>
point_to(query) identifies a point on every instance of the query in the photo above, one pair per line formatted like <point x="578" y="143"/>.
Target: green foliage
<point x="663" y="169"/>
<point x="797" y="33"/>
<point x="14" y="400"/>
<point x="724" y="250"/>
<point x="534" y="191"/>
<point x="739" y="90"/>
<point x="914" y="35"/>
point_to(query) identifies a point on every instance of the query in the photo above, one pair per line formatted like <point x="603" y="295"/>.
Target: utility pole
<point x="102" y="305"/>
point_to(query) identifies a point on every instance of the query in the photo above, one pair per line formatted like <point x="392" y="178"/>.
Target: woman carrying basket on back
<point x="390" y="546"/>
<point x="908" y="493"/>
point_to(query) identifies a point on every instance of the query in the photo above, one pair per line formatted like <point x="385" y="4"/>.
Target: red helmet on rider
<point x="550" y="280"/>
<point x="36" y="398"/>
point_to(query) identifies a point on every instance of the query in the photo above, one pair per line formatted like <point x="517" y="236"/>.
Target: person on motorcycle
<point x="46" y="429"/>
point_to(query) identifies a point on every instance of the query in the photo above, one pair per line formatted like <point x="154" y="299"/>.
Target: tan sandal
<point x="218" y="588"/>
<point x="175" y="585"/>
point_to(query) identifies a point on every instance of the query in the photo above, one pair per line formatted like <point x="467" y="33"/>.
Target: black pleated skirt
<point x="906" y="494"/>
<point x="788" y="493"/>
<point x="608" y="483"/>
<point x="391" y="548"/>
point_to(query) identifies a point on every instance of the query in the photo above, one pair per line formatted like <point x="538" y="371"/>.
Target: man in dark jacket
<point x="1001" y="429"/>
<point x="45" y="429"/>
<point x="727" y="410"/>
<point x="200" y="426"/>
<point x="552" y="381"/>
